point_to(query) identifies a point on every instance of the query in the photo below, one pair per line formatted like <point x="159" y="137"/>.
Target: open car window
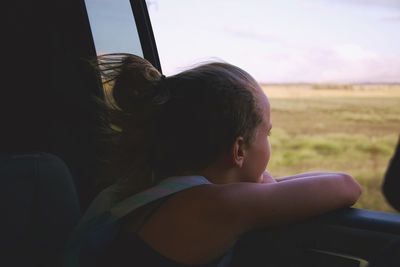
<point x="330" y="69"/>
<point x="113" y="27"/>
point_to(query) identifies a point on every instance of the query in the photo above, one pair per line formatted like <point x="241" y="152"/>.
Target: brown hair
<point x="167" y="126"/>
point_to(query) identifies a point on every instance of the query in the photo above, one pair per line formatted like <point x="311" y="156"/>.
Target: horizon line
<point x="329" y="83"/>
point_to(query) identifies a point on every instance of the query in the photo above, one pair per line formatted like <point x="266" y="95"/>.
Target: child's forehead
<point x="264" y="106"/>
<point x="262" y="99"/>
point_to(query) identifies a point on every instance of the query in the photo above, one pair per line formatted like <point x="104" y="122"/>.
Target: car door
<point x="47" y="102"/>
<point x="350" y="237"/>
<point x="49" y="113"/>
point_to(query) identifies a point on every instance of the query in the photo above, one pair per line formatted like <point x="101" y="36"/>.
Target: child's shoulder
<point x="189" y="215"/>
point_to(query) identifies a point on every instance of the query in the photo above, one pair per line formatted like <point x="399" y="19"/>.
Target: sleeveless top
<point x="100" y="239"/>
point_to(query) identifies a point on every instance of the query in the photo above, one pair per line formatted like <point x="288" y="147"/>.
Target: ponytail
<point x="130" y="79"/>
<point x="131" y="86"/>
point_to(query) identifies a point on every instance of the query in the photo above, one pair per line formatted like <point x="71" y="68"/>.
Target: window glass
<point x="113" y="27"/>
<point x="330" y="68"/>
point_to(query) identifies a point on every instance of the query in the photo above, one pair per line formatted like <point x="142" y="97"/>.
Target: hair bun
<point x="128" y="79"/>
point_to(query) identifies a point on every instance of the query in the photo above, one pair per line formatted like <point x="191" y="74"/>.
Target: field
<point x="351" y="128"/>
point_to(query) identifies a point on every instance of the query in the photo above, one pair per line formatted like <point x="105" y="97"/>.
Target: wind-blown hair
<point x="168" y="126"/>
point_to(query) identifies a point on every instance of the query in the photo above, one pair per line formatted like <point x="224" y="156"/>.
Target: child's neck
<point x="220" y="175"/>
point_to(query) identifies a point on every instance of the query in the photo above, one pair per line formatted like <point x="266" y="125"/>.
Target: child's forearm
<point x="304" y="175"/>
<point x="270" y="204"/>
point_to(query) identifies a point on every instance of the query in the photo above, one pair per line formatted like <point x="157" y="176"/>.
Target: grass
<point x="336" y="128"/>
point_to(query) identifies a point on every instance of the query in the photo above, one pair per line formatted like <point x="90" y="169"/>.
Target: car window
<point x="113" y="27"/>
<point x="330" y="68"/>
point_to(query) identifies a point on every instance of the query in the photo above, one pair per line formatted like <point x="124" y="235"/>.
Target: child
<point x="210" y="123"/>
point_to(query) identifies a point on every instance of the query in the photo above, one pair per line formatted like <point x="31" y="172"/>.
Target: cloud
<point x="342" y="63"/>
<point x="353" y="63"/>
<point x="378" y="3"/>
<point x="391" y="19"/>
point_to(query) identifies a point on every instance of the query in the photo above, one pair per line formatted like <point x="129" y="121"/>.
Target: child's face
<point x="259" y="150"/>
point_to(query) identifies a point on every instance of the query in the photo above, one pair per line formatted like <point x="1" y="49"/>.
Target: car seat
<point x="39" y="208"/>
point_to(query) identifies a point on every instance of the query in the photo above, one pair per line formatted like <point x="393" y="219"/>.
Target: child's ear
<point x="238" y="152"/>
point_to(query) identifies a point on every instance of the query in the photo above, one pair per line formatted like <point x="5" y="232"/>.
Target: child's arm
<point x="267" y="177"/>
<point x="305" y="175"/>
<point x="248" y="205"/>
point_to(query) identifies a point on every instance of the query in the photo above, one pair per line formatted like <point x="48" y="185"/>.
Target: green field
<point x="354" y="133"/>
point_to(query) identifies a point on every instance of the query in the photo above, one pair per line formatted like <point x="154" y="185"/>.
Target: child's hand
<point x="267" y="178"/>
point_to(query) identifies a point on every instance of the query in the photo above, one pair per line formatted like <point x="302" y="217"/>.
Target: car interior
<point x="50" y="149"/>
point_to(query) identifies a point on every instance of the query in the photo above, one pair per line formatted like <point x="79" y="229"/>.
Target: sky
<point x="276" y="41"/>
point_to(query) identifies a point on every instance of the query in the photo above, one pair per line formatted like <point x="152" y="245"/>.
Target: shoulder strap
<point x="167" y="187"/>
<point x="96" y="232"/>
